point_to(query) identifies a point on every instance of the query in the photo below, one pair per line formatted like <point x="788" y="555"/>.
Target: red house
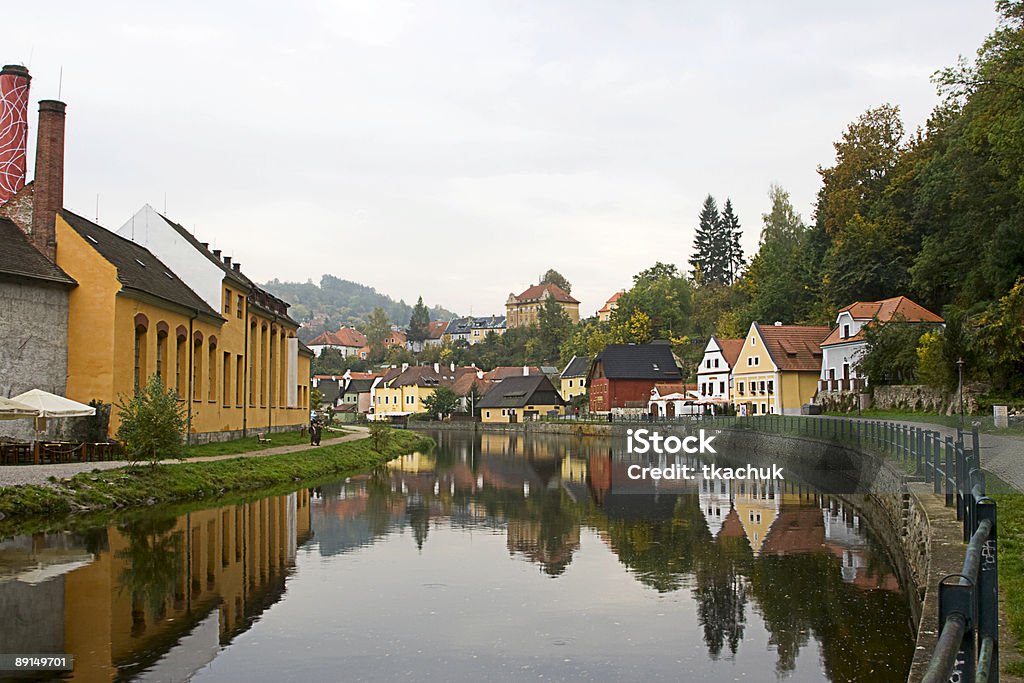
<point x="622" y="376"/>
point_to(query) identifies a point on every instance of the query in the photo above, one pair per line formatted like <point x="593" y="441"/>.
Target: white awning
<point x="15" y="410"/>
<point x="51" y="405"/>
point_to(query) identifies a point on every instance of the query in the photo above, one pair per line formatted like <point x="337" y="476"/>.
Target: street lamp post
<point x="960" y="384"/>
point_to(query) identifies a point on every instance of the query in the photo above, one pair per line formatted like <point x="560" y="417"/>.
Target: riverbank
<point x="148" y="485"/>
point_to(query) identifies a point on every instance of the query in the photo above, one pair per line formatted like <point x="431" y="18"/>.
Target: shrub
<point x="152" y="423"/>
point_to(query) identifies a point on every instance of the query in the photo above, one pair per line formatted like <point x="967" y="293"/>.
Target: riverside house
<point x="777" y="369"/>
<point x="519" y="399"/>
<point x="714" y="378"/>
<point x="622" y="376"/>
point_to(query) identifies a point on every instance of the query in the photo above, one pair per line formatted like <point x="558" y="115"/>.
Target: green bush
<point x="152" y="424"/>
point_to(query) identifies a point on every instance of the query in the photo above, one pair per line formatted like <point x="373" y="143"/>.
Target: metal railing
<point x="968" y="643"/>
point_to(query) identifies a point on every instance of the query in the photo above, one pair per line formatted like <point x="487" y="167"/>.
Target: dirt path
<point x="13" y="475"/>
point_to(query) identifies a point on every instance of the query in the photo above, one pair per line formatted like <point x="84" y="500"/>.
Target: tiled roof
<point x="638" y="361"/>
<point x="466" y="381"/>
<point x="886" y="309"/>
<point x="137" y="268"/>
<point x="607" y="308"/>
<point x="517" y="392"/>
<point x="19" y="258"/>
<point x="794" y="348"/>
<point x="730" y="349"/>
<point x="577" y="367"/>
<point x="359" y="386"/>
<point x="505" y="371"/>
<point x="436" y="329"/>
<point x="881" y="311"/>
<point x="346" y="336"/>
<point x="536" y="293"/>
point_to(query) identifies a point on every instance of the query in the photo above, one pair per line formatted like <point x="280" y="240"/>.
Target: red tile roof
<point x="346" y="336"/>
<point x="608" y="304"/>
<point x="730" y="349"/>
<point x="436" y="329"/>
<point x="536" y="293"/>
<point x="881" y="311"/>
<point x="795" y="348"/>
<point x="504" y="371"/>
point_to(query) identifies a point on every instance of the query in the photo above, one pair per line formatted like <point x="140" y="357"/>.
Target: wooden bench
<point x="263" y="438"/>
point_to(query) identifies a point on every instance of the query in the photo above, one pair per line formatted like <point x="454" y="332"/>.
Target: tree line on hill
<point x="936" y="215"/>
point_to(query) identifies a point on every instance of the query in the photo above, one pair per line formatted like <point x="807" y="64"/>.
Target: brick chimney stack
<point x="14" y="82"/>
<point x="48" y="185"/>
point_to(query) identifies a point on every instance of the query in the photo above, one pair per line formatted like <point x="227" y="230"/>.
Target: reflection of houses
<point x="715" y="496"/>
<point x="842" y="349"/>
<point x="552" y="553"/>
<point x="154" y="588"/>
<point x="757" y="505"/>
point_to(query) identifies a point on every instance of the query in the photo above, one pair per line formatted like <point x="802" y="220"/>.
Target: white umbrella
<point x="13" y="410"/>
<point x="51" y="405"/>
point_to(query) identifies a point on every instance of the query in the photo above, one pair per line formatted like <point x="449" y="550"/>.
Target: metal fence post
<point x="988" y="590"/>
<point x="948" y="475"/>
<point x="936" y="468"/>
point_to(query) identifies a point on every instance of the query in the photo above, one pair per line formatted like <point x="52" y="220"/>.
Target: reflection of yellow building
<point x="574" y="469"/>
<point x="131" y="317"/>
<point x="413" y="462"/>
<point x="757" y="505"/>
<point x="212" y="569"/>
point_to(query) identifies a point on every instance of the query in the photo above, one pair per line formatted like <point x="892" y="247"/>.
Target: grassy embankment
<point x="1011" y="568"/>
<point x="251" y="443"/>
<point x="147" y="485"/>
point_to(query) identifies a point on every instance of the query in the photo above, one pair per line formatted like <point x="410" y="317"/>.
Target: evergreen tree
<point x="706" y="255"/>
<point x="730" y="233"/>
<point x="418" y="322"/>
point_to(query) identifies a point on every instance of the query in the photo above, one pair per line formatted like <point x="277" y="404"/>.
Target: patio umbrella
<point x="46" y="404"/>
<point x="13" y="410"/>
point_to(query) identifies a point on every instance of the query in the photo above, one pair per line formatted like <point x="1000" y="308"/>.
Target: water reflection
<point x="704" y="580"/>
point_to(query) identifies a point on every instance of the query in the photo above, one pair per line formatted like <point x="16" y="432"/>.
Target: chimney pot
<point x="206" y="245"/>
<point x="227" y="261"/>
<point x="216" y="254"/>
<point x="526" y="371"/>
<point x="237" y="267"/>
<point x="48" y="192"/>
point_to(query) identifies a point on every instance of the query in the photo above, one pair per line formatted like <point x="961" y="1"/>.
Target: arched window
<point x="141" y="330"/>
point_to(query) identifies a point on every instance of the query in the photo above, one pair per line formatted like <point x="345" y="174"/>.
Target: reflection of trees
<point x="721" y="592"/>
<point x="153" y="560"/>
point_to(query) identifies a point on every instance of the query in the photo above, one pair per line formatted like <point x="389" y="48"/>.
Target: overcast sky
<point x="456" y="150"/>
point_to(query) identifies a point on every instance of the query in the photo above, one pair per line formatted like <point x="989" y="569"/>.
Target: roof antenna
<point x="97" y="207"/>
<point x="60" y="81"/>
<point x="165" y="203"/>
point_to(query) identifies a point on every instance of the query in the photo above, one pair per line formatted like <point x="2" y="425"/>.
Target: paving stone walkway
<point x="14" y="475"/>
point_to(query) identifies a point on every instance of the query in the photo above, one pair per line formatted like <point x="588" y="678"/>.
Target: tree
<point x="316" y="399"/>
<point x="554" y="327"/>
<point x="891" y="353"/>
<point x="778" y="284"/>
<point x="706" y="260"/>
<point x="553" y="277"/>
<point x="152" y="423"/>
<point x="442" y="402"/>
<point x="380" y="436"/>
<point x="730" y="233"/>
<point x="418" y="322"/>
<point x="663" y="296"/>
<point x="377" y="328"/>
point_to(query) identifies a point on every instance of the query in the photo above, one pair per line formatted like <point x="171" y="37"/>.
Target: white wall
<point x="150" y="230"/>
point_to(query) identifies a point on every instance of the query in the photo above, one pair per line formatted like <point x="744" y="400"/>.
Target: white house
<point x="713" y="375"/>
<point x="844" y="346"/>
<point x="672" y="399"/>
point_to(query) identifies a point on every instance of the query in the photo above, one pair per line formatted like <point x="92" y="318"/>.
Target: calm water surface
<point x="497" y="557"/>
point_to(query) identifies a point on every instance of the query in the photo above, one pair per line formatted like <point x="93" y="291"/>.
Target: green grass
<point x="148" y="485"/>
<point x="1011" y="568"/>
<point x="248" y="444"/>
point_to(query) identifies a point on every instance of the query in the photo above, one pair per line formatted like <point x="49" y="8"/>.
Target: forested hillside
<point x="336" y="302"/>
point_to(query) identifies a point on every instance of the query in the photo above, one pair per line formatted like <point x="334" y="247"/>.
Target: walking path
<point x="13" y="475"/>
<point x="1003" y="456"/>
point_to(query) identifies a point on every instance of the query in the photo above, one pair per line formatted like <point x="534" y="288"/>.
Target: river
<point x="496" y="557"/>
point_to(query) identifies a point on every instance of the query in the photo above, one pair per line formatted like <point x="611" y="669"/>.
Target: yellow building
<point x="404" y="393"/>
<point x="777" y="369"/>
<point x="574" y="378"/>
<point x="518" y="399"/>
<point x="524" y="310"/>
<point x="239" y="372"/>
<point x="604" y="314"/>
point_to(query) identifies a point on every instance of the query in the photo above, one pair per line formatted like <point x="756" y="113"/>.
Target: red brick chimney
<point x="14" y="81"/>
<point x="48" y="185"/>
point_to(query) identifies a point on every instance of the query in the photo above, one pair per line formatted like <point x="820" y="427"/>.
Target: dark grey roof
<point x="359" y="386"/>
<point x="137" y="268"/>
<point x="577" y="367"/>
<point x="19" y="258"/>
<point x="637" y="361"/>
<point x="516" y="392"/>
